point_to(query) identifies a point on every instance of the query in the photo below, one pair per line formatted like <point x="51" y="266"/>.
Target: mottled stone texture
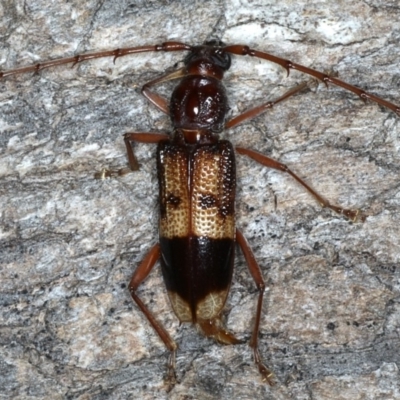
<point x="69" y="243"/>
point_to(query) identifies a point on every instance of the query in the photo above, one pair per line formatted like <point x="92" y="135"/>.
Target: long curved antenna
<point x="242" y="50"/>
<point x="166" y="46"/>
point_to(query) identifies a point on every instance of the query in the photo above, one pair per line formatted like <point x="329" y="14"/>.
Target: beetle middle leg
<point x="253" y="112"/>
<point x="354" y="215"/>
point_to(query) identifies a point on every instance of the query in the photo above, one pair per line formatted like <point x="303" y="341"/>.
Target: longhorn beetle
<point x="196" y="174"/>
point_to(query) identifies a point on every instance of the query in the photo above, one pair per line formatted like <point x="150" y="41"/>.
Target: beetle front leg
<point x="130" y="139"/>
<point x="160" y="102"/>
<point x="255" y="272"/>
<point x="254" y="112"/>
<point x="141" y="273"/>
<point x="146" y="137"/>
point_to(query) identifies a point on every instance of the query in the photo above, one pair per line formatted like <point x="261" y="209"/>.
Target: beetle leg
<point x="141" y="273"/>
<point x="353" y="215"/>
<point x="255" y="272"/>
<point x="129" y="139"/>
<point x="160" y="102"/>
<point x="253" y="112"/>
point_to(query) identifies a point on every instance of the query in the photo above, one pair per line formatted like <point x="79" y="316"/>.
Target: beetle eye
<point x="222" y="59"/>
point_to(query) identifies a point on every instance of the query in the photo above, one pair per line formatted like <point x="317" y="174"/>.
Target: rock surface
<point x="69" y="243"/>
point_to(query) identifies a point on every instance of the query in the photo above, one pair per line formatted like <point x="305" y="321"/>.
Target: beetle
<point x="197" y="181"/>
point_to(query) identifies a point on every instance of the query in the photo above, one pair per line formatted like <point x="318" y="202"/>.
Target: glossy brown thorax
<point x="199" y="101"/>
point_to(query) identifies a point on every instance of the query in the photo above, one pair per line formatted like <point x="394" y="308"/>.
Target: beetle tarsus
<point x="267" y="375"/>
<point x="103" y="174"/>
<point x="170" y="379"/>
<point x="112" y="173"/>
<point x="352" y="215"/>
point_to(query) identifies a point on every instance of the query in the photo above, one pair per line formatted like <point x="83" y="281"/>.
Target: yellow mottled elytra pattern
<point x="181" y="307"/>
<point x="207" y="309"/>
<point x="175" y="221"/>
<point x="197" y="191"/>
<point x="208" y="197"/>
<point x="211" y="306"/>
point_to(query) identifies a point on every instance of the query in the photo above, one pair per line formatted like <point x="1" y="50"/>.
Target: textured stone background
<point x="69" y="243"/>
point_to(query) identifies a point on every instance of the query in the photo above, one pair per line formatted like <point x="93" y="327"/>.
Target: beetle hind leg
<point x="214" y="329"/>
<point x="140" y="274"/>
<point x="255" y="271"/>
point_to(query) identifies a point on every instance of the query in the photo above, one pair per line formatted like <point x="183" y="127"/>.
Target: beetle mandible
<point x="196" y="173"/>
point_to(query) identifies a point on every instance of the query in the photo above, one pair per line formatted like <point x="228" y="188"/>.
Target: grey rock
<point x="69" y="243"/>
